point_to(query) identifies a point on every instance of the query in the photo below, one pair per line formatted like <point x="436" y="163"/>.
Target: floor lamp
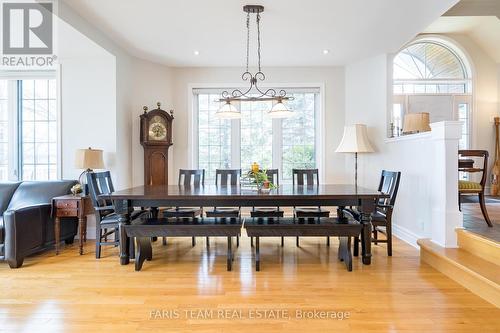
<point x="355" y="140"/>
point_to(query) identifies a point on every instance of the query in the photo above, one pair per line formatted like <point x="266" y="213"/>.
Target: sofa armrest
<point x="24" y="231"/>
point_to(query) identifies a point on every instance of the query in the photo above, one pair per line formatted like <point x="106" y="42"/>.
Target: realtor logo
<point x="27" y="28"/>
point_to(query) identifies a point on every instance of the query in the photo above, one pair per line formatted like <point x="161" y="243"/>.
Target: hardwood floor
<point x="72" y="293"/>
<point x="474" y="221"/>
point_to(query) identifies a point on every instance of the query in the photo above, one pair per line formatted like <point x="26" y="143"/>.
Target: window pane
<point x="214" y="137"/>
<point x="256" y="135"/>
<point x="299" y="135"/>
<point x="39" y="129"/>
<point x="4" y="131"/>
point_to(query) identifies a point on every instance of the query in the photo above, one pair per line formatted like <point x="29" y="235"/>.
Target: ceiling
<point x="294" y="32"/>
<point x="484" y="30"/>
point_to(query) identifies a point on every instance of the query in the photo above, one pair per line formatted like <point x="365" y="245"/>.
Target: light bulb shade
<point x="228" y="111"/>
<point x="280" y="110"/>
<point x="416" y="122"/>
<point x="89" y="159"/>
<point x="355" y="140"/>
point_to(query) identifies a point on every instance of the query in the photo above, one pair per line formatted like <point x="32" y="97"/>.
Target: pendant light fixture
<point x="254" y="93"/>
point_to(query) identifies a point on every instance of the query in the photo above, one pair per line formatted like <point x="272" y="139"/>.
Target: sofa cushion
<point x="6" y="192"/>
<point x="39" y="192"/>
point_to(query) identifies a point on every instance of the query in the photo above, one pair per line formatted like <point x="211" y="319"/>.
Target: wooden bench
<point x="143" y="230"/>
<point x="303" y="227"/>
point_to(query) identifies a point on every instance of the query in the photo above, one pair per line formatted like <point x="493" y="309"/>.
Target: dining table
<point x="286" y="195"/>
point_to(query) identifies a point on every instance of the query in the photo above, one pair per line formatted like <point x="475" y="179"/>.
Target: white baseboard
<point x="406" y="235"/>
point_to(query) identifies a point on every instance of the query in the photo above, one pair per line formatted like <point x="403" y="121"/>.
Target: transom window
<point x="273" y="143"/>
<point x="433" y="76"/>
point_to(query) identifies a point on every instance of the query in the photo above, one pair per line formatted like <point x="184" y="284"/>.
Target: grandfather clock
<point x="156" y="138"/>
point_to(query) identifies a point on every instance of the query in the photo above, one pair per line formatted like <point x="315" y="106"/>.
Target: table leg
<point x="229" y="253"/>
<point x="121" y="207"/>
<point x="366" y="247"/>
<point x="82" y="234"/>
<point x="257" y="254"/>
<point x="57" y="233"/>
<point x="85" y="229"/>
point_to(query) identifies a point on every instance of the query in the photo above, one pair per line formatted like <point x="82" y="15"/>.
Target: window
<point x="273" y="143"/>
<point x="28" y="129"/>
<point x="431" y="74"/>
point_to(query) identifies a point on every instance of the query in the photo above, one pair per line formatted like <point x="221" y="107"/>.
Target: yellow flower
<point x="255" y="167"/>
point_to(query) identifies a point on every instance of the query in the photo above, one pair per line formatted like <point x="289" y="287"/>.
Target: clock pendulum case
<point x="156" y="138"/>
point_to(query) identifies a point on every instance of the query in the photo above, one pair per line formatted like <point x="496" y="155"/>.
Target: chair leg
<point x="356" y="246"/>
<point x="282" y="241"/>
<point x="193" y="241"/>
<point x="375" y="235"/>
<point x="388" y="234"/>
<point x="237" y="241"/>
<point x="105" y="237"/>
<point x="327" y="241"/>
<point x="297" y="242"/>
<point x="97" y="241"/>
<point x="164" y="241"/>
<point x="208" y="242"/>
<point x="483" y="210"/>
<point x="251" y="241"/>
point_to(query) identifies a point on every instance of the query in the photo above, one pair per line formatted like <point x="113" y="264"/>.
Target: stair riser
<point x="479" y="246"/>
<point x="478" y="285"/>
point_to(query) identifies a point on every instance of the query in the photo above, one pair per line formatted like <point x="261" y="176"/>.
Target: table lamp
<point x="355" y="140"/>
<point x="88" y="159"/>
<point x="416" y="122"/>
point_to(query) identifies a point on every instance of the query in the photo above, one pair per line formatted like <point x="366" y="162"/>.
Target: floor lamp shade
<point x="355" y="140"/>
<point x="89" y="159"/>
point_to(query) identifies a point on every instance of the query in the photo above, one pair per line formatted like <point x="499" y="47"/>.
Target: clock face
<point x="157" y="129"/>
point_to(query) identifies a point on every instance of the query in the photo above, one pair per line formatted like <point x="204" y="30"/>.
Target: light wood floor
<point x="72" y="293"/>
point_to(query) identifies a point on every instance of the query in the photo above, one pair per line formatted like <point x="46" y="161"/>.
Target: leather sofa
<point x="26" y="221"/>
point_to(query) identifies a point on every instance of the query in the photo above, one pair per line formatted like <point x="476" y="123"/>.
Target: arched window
<point x="432" y="75"/>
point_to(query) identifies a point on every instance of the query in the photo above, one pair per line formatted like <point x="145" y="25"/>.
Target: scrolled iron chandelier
<point x="254" y="92"/>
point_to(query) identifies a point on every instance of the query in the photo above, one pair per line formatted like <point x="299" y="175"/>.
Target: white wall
<point x="366" y="101"/>
<point x="95" y="96"/>
<point x="152" y="83"/>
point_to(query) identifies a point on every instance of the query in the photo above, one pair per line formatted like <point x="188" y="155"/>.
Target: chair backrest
<point x="100" y="183"/>
<point x="194" y="177"/>
<point x="389" y="184"/>
<point x="273" y="176"/>
<point x="311" y="177"/>
<point x="227" y="176"/>
<point x="476" y="153"/>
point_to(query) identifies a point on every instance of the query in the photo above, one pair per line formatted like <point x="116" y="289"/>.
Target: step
<point x="478" y="245"/>
<point x="478" y="275"/>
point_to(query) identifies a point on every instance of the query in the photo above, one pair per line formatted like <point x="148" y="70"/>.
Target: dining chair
<point x="187" y="178"/>
<point x="107" y="220"/>
<point x="382" y="217"/>
<point x="268" y="212"/>
<point x="226" y="177"/>
<point x="308" y="177"/>
<point x="467" y="187"/>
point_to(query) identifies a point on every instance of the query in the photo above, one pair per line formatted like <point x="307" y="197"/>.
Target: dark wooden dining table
<point x="236" y="196"/>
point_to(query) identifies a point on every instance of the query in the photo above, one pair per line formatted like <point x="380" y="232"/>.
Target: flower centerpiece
<point x="258" y="178"/>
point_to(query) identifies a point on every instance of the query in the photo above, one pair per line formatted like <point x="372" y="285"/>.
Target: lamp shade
<point x="416" y="122"/>
<point x="355" y="140"/>
<point x="280" y="110"/>
<point x="228" y="111"/>
<point x="89" y="159"/>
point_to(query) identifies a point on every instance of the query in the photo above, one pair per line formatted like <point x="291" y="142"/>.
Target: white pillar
<point x="446" y="216"/>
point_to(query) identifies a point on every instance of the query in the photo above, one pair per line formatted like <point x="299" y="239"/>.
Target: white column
<point x="446" y="216"/>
